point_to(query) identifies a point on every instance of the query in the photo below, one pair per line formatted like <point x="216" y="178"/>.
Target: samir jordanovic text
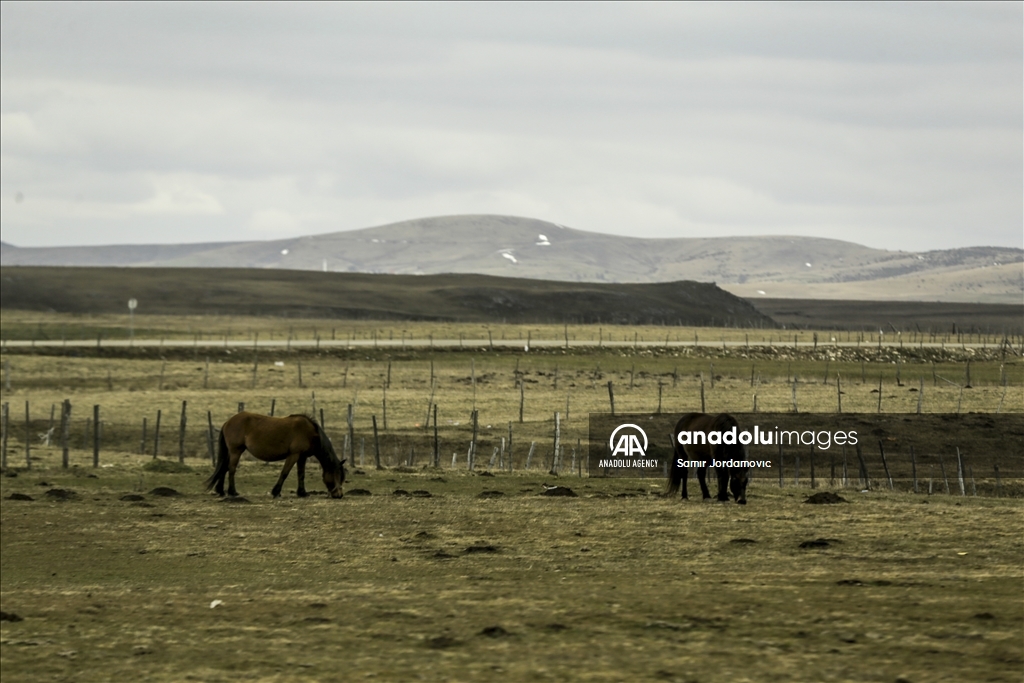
<point x="768" y="437"/>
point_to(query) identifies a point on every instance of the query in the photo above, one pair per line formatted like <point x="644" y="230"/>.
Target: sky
<point x="898" y="126"/>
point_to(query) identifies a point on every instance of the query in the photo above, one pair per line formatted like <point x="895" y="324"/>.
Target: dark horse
<point x="292" y="439"/>
<point x="700" y="427"/>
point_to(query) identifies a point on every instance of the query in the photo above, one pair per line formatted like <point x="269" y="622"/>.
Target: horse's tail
<point x="222" y="463"/>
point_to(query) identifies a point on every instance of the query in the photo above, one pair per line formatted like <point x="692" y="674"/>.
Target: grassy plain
<point x="616" y="584"/>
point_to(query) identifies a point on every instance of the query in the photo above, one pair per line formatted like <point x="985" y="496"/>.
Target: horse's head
<point x="333" y="468"/>
<point x="334" y="478"/>
<point x="738" y="476"/>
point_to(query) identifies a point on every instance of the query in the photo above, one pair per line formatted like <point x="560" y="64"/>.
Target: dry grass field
<point x="113" y="581"/>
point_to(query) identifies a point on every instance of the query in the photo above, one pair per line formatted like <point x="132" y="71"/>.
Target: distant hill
<point x="508" y="246"/>
<point x="467" y="298"/>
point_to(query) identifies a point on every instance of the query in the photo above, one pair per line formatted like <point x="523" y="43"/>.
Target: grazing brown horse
<point x="700" y="426"/>
<point x="292" y="439"/>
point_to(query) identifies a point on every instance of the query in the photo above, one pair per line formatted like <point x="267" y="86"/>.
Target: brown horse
<point x="292" y="439"/>
<point x="700" y="454"/>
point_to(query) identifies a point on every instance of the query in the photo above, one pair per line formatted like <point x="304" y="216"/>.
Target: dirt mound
<point x="494" y="632"/>
<point x="164" y="491"/>
<point x="234" y="499"/>
<point x="359" y="492"/>
<point x="481" y="548"/>
<point x="743" y="541"/>
<point x="420" y="493"/>
<point x="825" y="498"/>
<point x="819" y="543"/>
<point x="10" y="616"/>
<point x="400" y="493"/>
<point x="441" y="642"/>
<point x="167" y="467"/>
<point x="20" y="496"/>
<point x="559" y="491"/>
<point x="490" y="494"/>
<point x="132" y="497"/>
<point x="61" y="494"/>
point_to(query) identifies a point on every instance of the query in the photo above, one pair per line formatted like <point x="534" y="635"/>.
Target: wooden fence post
<point x="437" y="443"/>
<point x="611" y="397"/>
<point x="913" y="467"/>
<point x="529" y="456"/>
<point x="942" y="467"/>
<point x="65" y="433"/>
<point x="863" y="468"/>
<point x="28" y="434"/>
<point x="472" y="444"/>
<point x="351" y="433"/>
<point x="509" y="445"/>
<point x="430" y="401"/>
<point x="156" y="435"/>
<point x="96" y="436"/>
<point x="558" y="443"/>
<point x="181" y="431"/>
<point x="846" y="480"/>
<point x="273" y="406"/>
<point x="881" y="451"/>
<point x="142" y="444"/>
<point x="209" y="438"/>
<point x="5" y="422"/>
<point x="814" y="483"/>
<point x="376" y="444"/>
<point x="960" y="472"/>
<point x="49" y="432"/>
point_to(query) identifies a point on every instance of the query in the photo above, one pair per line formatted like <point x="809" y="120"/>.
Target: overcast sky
<point x="898" y="126"/>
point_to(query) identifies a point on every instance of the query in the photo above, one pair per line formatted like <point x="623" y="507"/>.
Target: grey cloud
<point x="898" y="125"/>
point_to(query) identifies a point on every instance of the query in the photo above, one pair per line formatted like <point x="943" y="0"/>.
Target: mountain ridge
<point x="509" y="246"/>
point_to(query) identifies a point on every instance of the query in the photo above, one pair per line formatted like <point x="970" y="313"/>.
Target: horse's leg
<point x="235" y="456"/>
<point x="292" y="459"/>
<point x="723" y="483"/>
<point x="219" y="485"/>
<point x="301" y="474"/>
<point x="702" y="475"/>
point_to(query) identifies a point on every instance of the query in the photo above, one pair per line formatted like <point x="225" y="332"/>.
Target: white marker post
<point x="132" y="303"/>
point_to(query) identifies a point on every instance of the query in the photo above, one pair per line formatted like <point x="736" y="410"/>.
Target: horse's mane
<point x="325" y="442"/>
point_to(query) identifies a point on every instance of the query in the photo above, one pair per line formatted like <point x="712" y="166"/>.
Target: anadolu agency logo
<point x="628" y="446"/>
